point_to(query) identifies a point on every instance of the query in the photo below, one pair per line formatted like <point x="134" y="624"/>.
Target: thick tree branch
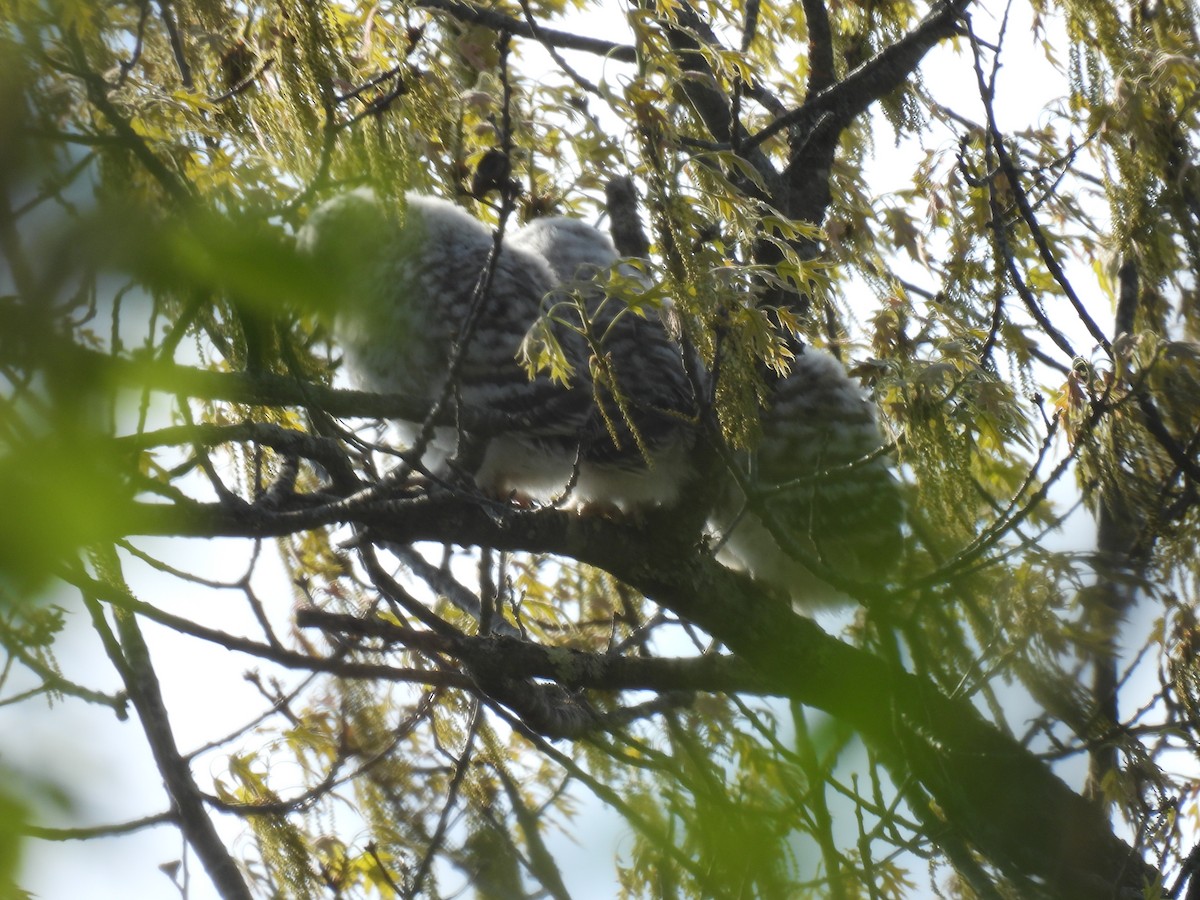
<point x="1000" y="796"/>
<point x="802" y="191"/>
<point x="875" y="78"/>
<point x="1123" y="555"/>
<point x="820" y="46"/>
<point x="752" y="89"/>
<point x="816" y="127"/>
<point x="541" y="860"/>
<point x="625" y="225"/>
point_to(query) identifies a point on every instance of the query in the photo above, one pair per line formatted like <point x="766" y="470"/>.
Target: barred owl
<point x="636" y="446"/>
<point x="819" y="481"/>
<point x="408" y="289"/>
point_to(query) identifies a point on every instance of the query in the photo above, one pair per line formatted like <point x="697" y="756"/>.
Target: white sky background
<point x="106" y="764"/>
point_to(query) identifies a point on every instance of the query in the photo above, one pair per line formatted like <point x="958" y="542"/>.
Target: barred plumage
<point x="822" y="479"/>
<point x="624" y="431"/>
<point x="408" y="290"/>
<point x="636" y="446"/>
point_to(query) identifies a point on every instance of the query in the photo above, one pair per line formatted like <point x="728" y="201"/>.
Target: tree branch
<point x="448" y="586"/>
<point x="1028" y="215"/>
<point x="571" y="668"/>
<point x="820" y="46"/>
<point x="625" y="225"/>
<point x="996" y="793"/>
<point x="260" y="389"/>
<point x="711" y="104"/>
<point x="97" y="92"/>
<point x="874" y="79"/>
<point x="541" y="860"/>
<point x="564" y="40"/>
<point x="94" y="831"/>
<point x="289" y="659"/>
<point x="287" y="441"/>
<point x="131" y="657"/>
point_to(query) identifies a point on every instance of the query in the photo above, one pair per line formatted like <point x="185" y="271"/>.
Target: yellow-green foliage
<point x="204" y="132"/>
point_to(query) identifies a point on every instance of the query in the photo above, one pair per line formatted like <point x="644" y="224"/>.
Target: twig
<point x="286" y="658"/>
<point x="1049" y="259"/>
<point x="535" y="31"/>
<point x="446" y="585"/>
<point x="613" y="799"/>
<point x="439" y="835"/>
<point x="55" y="683"/>
<point x="95" y="831"/>
<point x="97" y="92"/>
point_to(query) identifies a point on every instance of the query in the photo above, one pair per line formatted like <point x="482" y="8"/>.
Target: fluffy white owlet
<point x="820" y="483"/>
<point x="408" y="289"/>
<point x="636" y="445"/>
